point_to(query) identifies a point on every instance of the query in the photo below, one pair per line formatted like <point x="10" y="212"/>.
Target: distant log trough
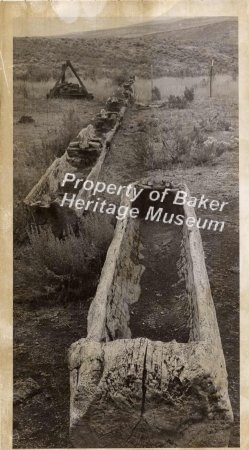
<point x="131" y="391"/>
<point x="84" y="155"/>
<point x="87" y="161"/>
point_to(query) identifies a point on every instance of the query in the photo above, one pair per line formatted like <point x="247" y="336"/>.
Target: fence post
<point x="151" y="76"/>
<point x="211" y="77"/>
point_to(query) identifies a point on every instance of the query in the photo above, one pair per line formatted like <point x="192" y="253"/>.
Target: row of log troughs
<point x="134" y="391"/>
<point x="86" y="153"/>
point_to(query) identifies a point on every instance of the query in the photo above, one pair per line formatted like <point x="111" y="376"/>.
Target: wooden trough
<point x="134" y="391"/>
<point x="85" y="160"/>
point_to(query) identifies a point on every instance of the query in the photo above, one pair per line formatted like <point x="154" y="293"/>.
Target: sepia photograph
<point x="126" y="234"/>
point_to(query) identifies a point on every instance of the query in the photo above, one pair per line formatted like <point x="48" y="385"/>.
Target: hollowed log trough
<point x="47" y="193"/>
<point x="136" y="392"/>
<point x="43" y="201"/>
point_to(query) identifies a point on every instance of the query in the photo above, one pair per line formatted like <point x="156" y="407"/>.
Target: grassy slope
<point x="174" y="49"/>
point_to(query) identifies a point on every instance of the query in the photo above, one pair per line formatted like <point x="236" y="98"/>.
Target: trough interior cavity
<point x="162" y="311"/>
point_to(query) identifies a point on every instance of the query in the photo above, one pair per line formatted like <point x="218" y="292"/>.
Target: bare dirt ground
<point x="41" y="336"/>
<point x="44" y="331"/>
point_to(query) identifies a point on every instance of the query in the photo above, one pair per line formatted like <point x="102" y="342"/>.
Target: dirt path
<point x="125" y="162"/>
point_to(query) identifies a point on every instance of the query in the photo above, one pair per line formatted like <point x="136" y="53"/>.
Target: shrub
<point x="28" y="168"/>
<point x="68" y="267"/>
<point x="20" y="222"/>
<point x="177" y="147"/>
<point x="156" y="94"/>
<point x="62" y="257"/>
<point x="26" y="119"/>
<point x="177" y="102"/>
<point x="39" y="73"/>
<point x="208" y="150"/>
<point x="34" y="72"/>
<point x="201" y="154"/>
<point x="180" y="147"/>
<point x="121" y="77"/>
<point x="223" y="124"/>
<point x="197" y="136"/>
<point x="153" y="147"/>
<point x="70" y="127"/>
<point x="98" y="230"/>
<point x="89" y="73"/>
<point x="189" y="94"/>
<point x="21" y="89"/>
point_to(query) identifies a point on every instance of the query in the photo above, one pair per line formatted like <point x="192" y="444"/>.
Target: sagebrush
<point x="66" y="268"/>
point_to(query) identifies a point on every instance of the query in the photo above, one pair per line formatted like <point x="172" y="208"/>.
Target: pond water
<point x="222" y="85"/>
<point x="102" y="88"/>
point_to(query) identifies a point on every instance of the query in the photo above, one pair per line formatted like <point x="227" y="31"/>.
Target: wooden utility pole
<point x="211" y="77"/>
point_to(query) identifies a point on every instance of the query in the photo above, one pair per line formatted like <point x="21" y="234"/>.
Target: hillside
<point x="175" y="48"/>
<point x="158" y="25"/>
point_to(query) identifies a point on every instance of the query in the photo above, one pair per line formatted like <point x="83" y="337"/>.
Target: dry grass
<point x="63" y="269"/>
<point x="30" y="162"/>
<point x="37" y="144"/>
<point x="197" y="135"/>
<point x="223" y="85"/>
<point x="169" y="139"/>
<point x="101" y="88"/>
<point x="98" y="55"/>
<point x="32" y="89"/>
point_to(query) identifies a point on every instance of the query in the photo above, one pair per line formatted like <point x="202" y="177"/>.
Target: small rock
<point x="25" y="389"/>
<point x="26" y="119"/>
<point x="234" y="270"/>
<point x="43" y="374"/>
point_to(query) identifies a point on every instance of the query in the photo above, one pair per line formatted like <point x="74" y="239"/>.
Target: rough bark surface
<point x="119" y="285"/>
<point x="141" y="393"/>
<point x="48" y="188"/>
